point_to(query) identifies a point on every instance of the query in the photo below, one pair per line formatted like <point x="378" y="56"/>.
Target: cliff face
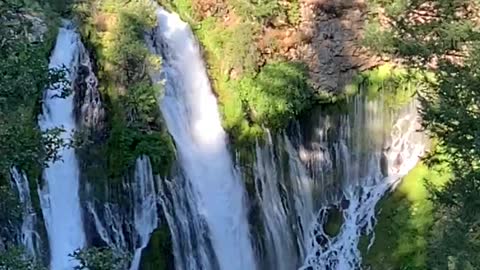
<point x="326" y="37"/>
<point x="334" y="53"/>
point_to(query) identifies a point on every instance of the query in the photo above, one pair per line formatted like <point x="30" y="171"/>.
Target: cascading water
<point x="216" y="194"/>
<point x="59" y="195"/>
<point x="349" y="159"/>
<point x="29" y="237"/>
<point x="275" y="188"/>
<point x="191" y="246"/>
<point x="370" y="159"/>
<point x="145" y="207"/>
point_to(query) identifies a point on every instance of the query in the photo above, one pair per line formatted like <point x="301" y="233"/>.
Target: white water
<point x="191" y="246"/>
<point x="272" y="182"/>
<point x="59" y="195"/>
<point x="29" y="237"/>
<point x="145" y="207"/>
<point x="191" y="113"/>
<point x="361" y="154"/>
<point x="346" y="159"/>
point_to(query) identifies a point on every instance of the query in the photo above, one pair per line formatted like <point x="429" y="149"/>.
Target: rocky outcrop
<point x="333" y="52"/>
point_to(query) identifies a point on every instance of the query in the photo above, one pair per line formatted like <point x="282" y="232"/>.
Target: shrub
<point x="277" y="94"/>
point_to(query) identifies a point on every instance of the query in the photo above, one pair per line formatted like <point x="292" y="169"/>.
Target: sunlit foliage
<point x="115" y="30"/>
<point x="443" y="36"/>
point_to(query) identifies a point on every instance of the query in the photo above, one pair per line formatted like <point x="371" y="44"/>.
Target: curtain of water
<point x="349" y="159"/>
<point x="216" y="192"/>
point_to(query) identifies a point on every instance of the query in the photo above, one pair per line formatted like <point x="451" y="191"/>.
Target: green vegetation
<point x="24" y="69"/>
<point x="10" y="211"/>
<point x="267" y="10"/>
<point x="158" y="253"/>
<point x="396" y="86"/>
<point x="16" y="259"/>
<point x="100" y="259"/>
<point x="441" y="232"/>
<point x="278" y="93"/>
<point x="115" y="29"/>
<point x="405" y="221"/>
<point x="334" y="222"/>
<point x="252" y="94"/>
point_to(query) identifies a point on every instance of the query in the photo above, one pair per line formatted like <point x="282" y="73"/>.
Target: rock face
<point x="333" y="52"/>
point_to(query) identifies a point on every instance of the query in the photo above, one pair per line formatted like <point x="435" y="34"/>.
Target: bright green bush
<point x="405" y="220"/>
<point x="395" y="85"/>
<point x="277" y="94"/>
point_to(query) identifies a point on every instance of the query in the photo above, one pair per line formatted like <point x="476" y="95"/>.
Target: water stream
<point x="215" y="188"/>
<point x="59" y="195"/>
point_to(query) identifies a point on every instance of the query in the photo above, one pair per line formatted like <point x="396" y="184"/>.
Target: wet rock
<point x="333" y="54"/>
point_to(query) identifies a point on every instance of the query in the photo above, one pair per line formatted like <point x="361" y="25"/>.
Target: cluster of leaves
<point x="448" y="39"/>
<point x="24" y="74"/>
<point x="115" y="30"/>
<point x="16" y="259"/>
<point x="10" y="211"/>
<point x="100" y="259"/>
<point x="277" y="94"/>
<point x="396" y="86"/>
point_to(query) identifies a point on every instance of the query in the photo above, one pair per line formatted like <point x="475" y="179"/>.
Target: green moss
<point x="334" y="221"/>
<point x="405" y="219"/>
<point x="158" y="253"/>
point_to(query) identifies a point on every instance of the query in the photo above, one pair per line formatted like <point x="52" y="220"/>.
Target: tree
<point x="16" y="259"/>
<point x="100" y="259"/>
<point x="24" y="75"/>
<point x="441" y="36"/>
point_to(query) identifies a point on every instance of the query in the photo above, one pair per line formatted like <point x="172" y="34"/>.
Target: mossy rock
<point x="158" y="254"/>
<point x="334" y="221"/>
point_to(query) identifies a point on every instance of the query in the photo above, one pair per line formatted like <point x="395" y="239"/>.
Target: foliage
<point x="157" y="255"/>
<point x="115" y="29"/>
<point x="377" y="38"/>
<point x="25" y="74"/>
<point x="16" y="259"/>
<point x="10" y="211"/>
<point x="277" y="94"/>
<point x="257" y="9"/>
<point x="448" y="41"/>
<point x="267" y="10"/>
<point x="100" y="259"/>
<point x="396" y="86"/>
<point x="405" y="220"/>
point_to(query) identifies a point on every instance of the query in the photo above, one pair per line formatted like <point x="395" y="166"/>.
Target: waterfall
<point x="370" y="158"/>
<point x="346" y="160"/>
<point x="29" y="237"/>
<point x="145" y="207"/>
<point x="59" y="197"/>
<point x="216" y="195"/>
